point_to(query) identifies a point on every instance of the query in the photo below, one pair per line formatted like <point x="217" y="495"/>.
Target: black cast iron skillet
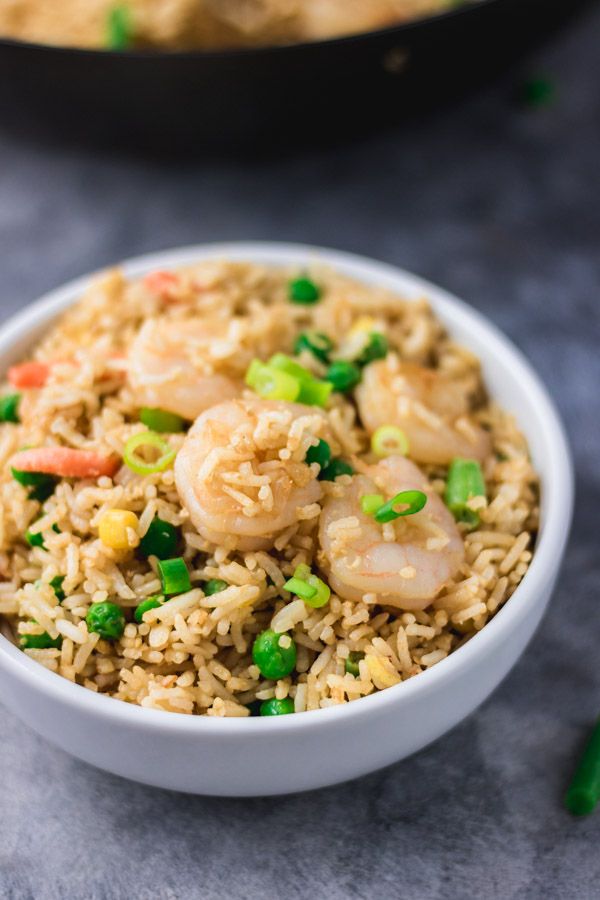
<point x="283" y="95"/>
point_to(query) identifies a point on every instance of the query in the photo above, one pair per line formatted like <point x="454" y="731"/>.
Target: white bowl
<point x="238" y="757"/>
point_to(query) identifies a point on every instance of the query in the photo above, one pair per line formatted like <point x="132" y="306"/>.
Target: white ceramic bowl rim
<point x="557" y="500"/>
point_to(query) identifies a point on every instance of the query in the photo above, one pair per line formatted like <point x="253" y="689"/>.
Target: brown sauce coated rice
<point x="193" y="653"/>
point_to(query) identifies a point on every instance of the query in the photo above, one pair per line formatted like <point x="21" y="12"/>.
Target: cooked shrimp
<point x="405" y="563"/>
<point x="430" y="407"/>
<point x="173" y="365"/>
<point x="65" y="462"/>
<point x="241" y="472"/>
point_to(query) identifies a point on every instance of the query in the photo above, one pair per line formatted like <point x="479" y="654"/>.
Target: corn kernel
<point x="382" y="672"/>
<point x="114" y="526"/>
<point x="362" y="324"/>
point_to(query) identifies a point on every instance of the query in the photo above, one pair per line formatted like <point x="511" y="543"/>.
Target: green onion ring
<point x="147" y="439"/>
<point x="414" y="500"/>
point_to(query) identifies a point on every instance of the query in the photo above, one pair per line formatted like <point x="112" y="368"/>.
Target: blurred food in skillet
<point x="190" y="24"/>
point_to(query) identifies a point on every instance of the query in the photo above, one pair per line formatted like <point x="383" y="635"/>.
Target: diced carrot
<point x="65" y="462"/>
<point x="163" y="283"/>
<point x="36" y="374"/>
<point x="29" y="375"/>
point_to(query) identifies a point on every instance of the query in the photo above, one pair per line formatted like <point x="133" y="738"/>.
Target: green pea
<point x="214" y="586"/>
<point x="42" y="492"/>
<point x="377" y="348"/>
<point x="273" y="660"/>
<point x="351" y="665"/>
<point x="316" y="343"/>
<point x="335" y="468"/>
<point x="275" y="707"/>
<point x="303" y="291"/>
<point x="57" y="586"/>
<point x="145" y="605"/>
<point x="319" y="453"/>
<point x="36" y="539"/>
<point x="160" y="540"/>
<point x="343" y="375"/>
<point x="40" y="641"/>
<point x="106" y="619"/>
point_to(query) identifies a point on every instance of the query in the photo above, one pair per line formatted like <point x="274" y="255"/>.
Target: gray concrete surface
<point x="502" y="206"/>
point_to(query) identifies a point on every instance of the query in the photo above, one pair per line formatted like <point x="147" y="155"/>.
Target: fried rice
<point x="186" y="24"/>
<point x="192" y="652"/>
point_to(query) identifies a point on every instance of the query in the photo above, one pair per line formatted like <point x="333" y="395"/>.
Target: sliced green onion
<point x="465" y="481"/>
<point x="312" y="391"/>
<point x="352" y="661"/>
<point x="335" y="468"/>
<point x="536" y="92"/>
<point x="270" y="383"/>
<point x="149" y="440"/>
<point x="300" y="588"/>
<point x="584" y="791"/>
<point x="36" y="539"/>
<point x="413" y="500"/>
<point x="284" y="363"/>
<point x="40" y="641"/>
<point x="303" y="291"/>
<point x="319" y="453"/>
<point x="32" y="479"/>
<point x="323" y="592"/>
<point x="316" y="343"/>
<point x="119" y="31"/>
<point x="174" y="575"/>
<point x="144" y="606"/>
<point x="308" y="587"/>
<point x="343" y="375"/>
<point x="315" y="393"/>
<point x="370" y="503"/>
<point x="160" y="540"/>
<point x="377" y="348"/>
<point x="389" y="440"/>
<point x="214" y="586"/>
<point x="284" y="379"/>
<point x="162" y="421"/>
<point x="302" y="571"/>
<point x="9" y="408"/>
<point x="57" y="586"/>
